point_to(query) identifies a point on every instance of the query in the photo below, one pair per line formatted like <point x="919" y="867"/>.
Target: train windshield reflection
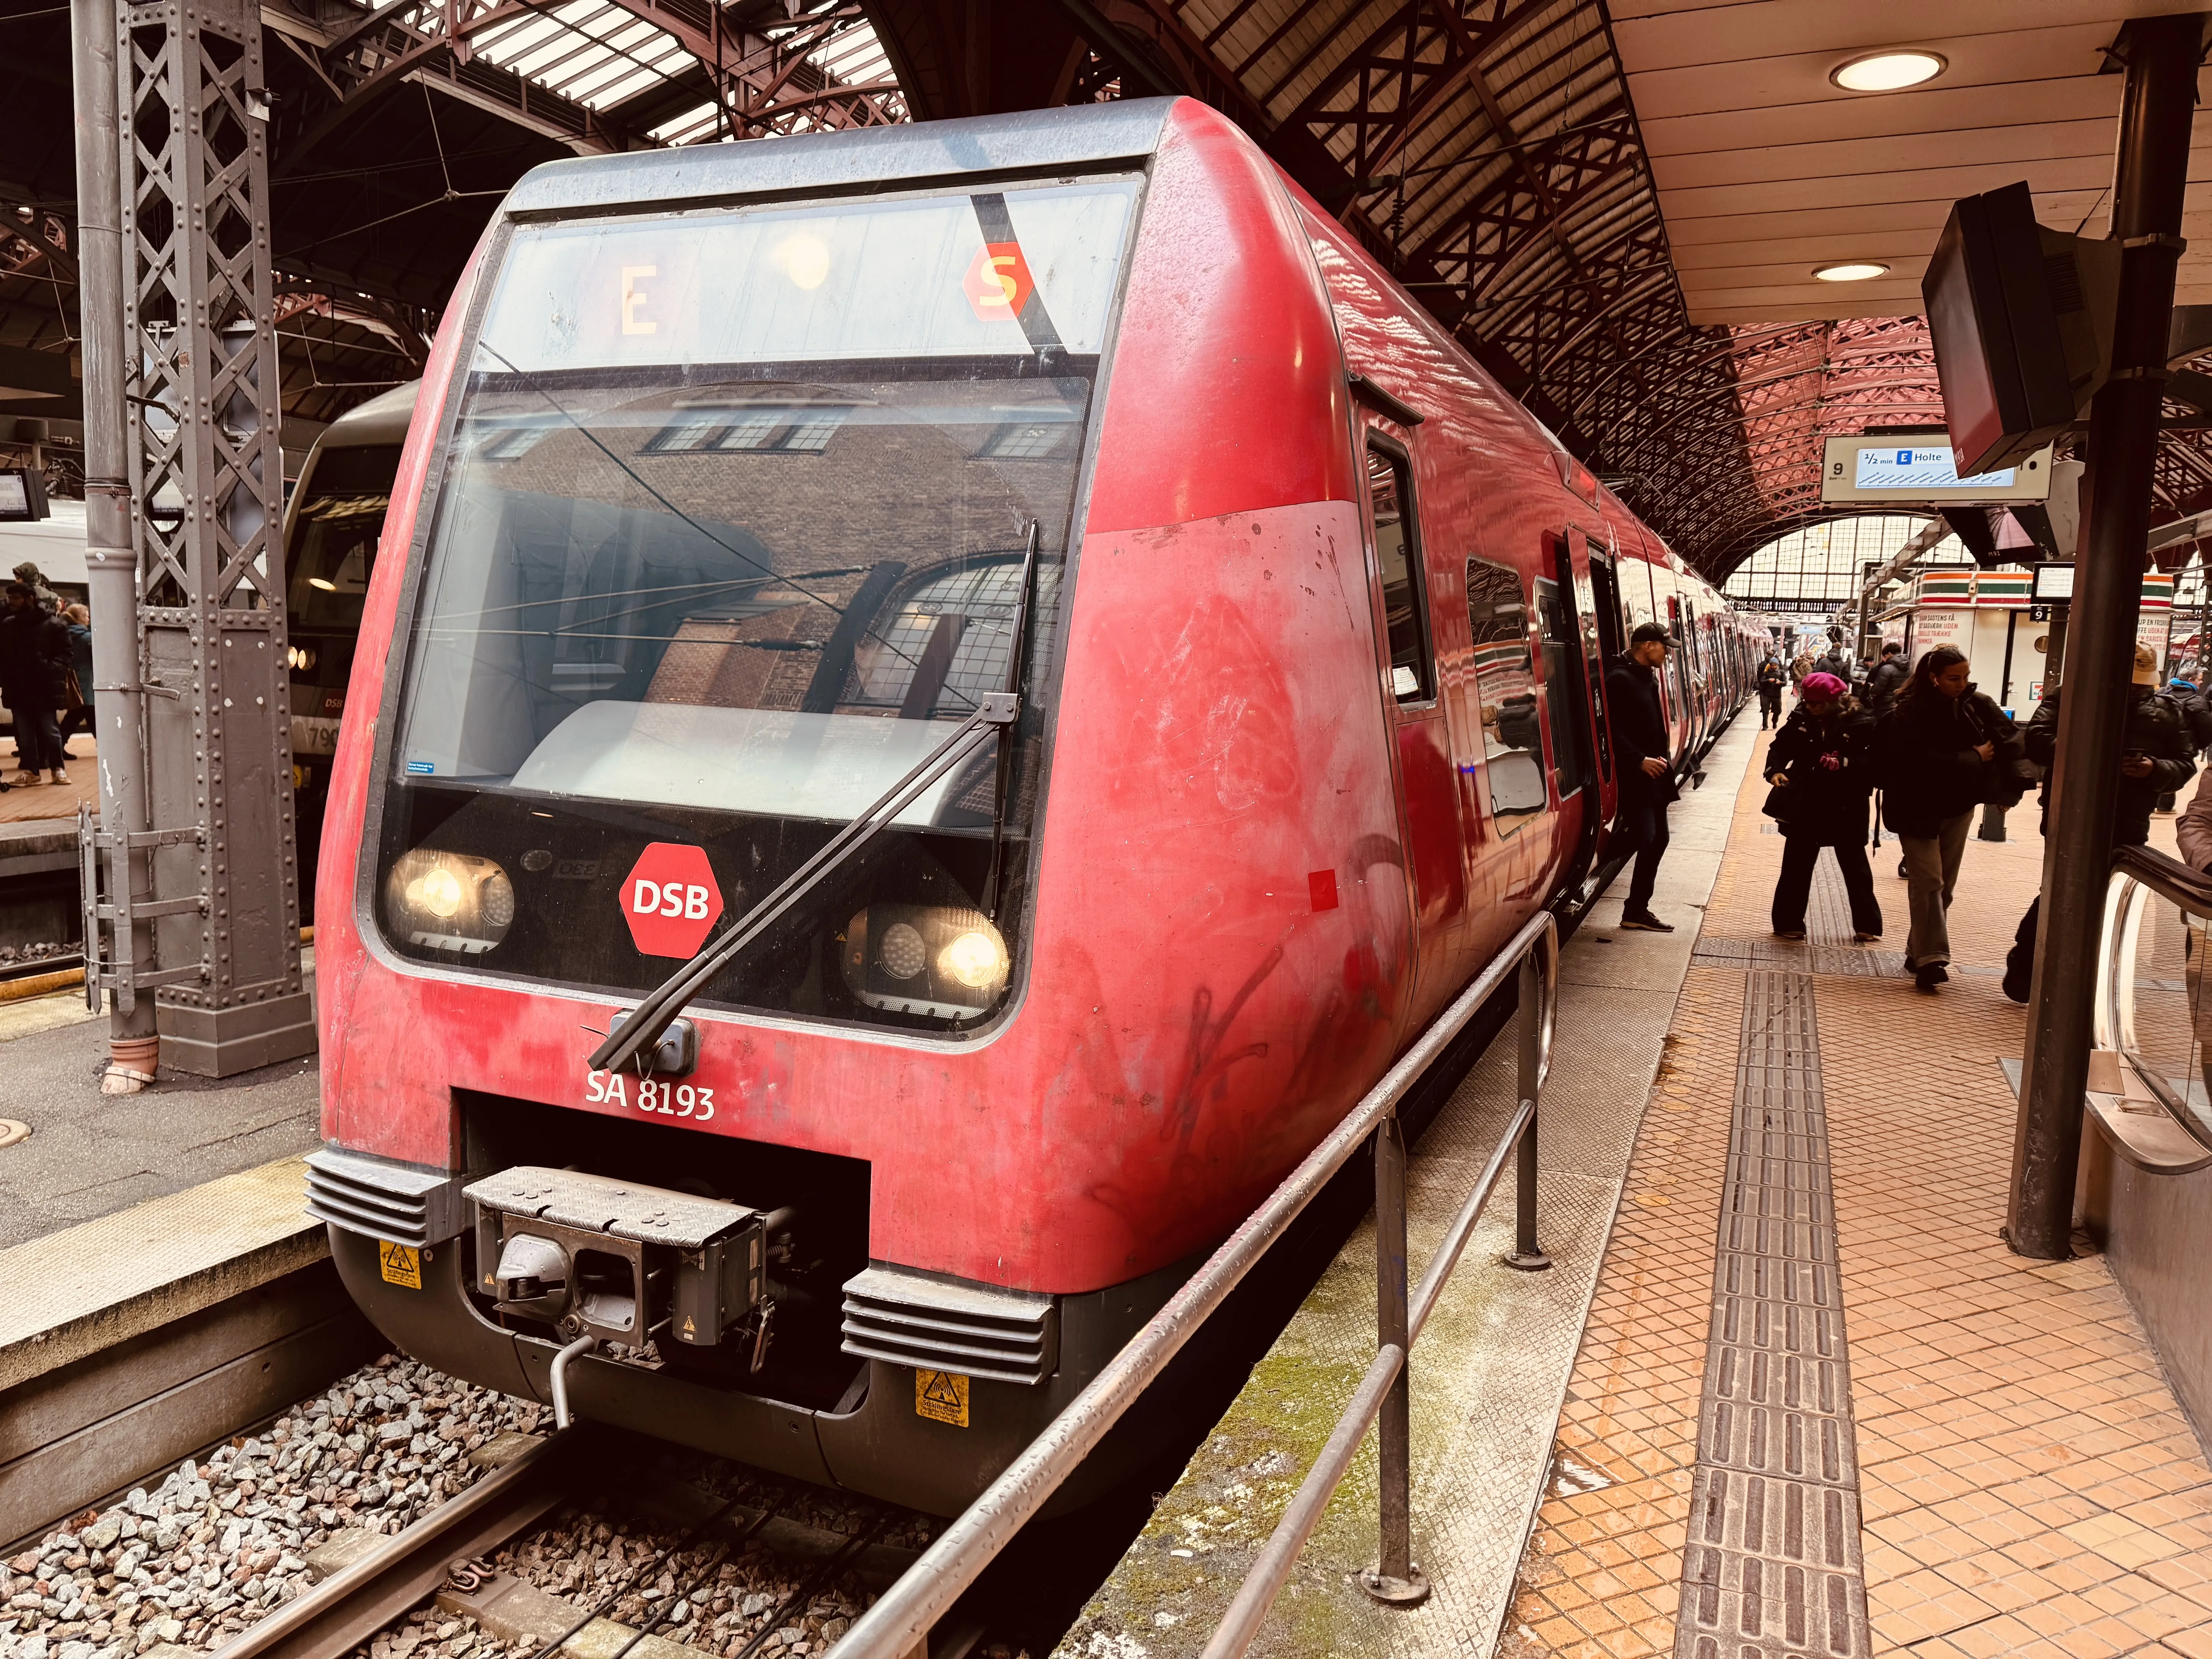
<point x="750" y="596"/>
<point x="734" y="514"/>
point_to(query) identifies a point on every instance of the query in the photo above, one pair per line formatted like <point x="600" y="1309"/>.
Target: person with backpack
<point x="1943" y="749"/>
<point x="2196" y="710"/>
<point x="1887" y="680"/>
<point x="2157" y="757"/>
<point x="1822" y="766"/>
<point x="1770" y="683"/>
<point x="80" y="715"/>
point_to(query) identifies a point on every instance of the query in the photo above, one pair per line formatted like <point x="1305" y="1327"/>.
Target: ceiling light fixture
<point x="1887" y="71"/>
<point x="1857" y="271"/>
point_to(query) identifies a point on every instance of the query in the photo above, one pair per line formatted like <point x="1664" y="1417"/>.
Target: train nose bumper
<point x="951" y="1378"/>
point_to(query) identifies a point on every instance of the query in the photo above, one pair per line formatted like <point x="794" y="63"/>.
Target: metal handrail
<point x="2138" y="872"/>
<point x="900" y="1620"/>
<point x="2187" y="889"/>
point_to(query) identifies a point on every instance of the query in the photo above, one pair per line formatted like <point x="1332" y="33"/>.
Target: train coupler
<point x="591" y="1255"/>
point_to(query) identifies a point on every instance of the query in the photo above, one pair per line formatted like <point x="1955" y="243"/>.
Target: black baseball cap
<point x="1644" y="633"/>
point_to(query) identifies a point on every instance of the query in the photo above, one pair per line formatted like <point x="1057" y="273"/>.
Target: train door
<point x="1607" y="622"/>
<point x="1597" y="597"/>
<point x="1510" y="726"/>
<point x="1682" y="670"/>
<point x="1435" y="865"/>
<point x="1664" y="609"/>
<point x="1572" y="706"/>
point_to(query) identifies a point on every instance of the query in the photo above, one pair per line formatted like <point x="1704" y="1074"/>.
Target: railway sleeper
<point x="515" y="1610"/>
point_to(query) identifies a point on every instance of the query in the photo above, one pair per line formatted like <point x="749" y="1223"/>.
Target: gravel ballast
<point x="199" y="1555"/>
<point x="196" y="1556"/>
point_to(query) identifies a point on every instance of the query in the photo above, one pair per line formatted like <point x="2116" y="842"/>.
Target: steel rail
<point x="350" y="1606"/>
<point x="901" y="1618"/>
<point x="39" y="967"/>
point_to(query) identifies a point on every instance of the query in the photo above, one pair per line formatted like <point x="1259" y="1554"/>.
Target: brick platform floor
<point x="2027" y="1484"/>
<point x="53" y="801"/>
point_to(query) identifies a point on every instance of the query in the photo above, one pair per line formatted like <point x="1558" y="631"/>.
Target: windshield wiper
<point x="641" y="1030"/>
<point x="1017" y="668"/>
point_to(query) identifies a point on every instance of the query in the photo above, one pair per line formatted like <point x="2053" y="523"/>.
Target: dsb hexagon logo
<point x="670" y="900"/>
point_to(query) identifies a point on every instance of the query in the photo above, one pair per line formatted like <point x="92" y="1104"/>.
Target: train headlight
<point x="449" y="901"/>
<point x="901" y="954"/>
<point x="933" y="959"/>
<point x="977" y="957"/>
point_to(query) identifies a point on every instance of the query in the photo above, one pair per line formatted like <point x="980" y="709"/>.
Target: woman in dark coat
<point x="34" y="665"/>
<point x="1943" y="749"/>
<point x="1821" y="767"/>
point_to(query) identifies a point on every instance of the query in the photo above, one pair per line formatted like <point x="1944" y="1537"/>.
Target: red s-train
<point x="735" y="476"/>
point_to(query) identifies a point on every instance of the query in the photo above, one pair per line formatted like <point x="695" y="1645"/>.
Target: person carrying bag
<point x="1943" y="749"/>
<point x="1821" y="766"/>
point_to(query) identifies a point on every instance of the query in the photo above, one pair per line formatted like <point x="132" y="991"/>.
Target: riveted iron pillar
<point x="207" y="476"/>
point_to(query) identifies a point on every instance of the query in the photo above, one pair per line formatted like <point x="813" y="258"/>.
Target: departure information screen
<point x="1904" y="466"/>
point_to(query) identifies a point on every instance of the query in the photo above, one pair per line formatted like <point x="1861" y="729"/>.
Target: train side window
<point x="1558" y="631"/>
<point x="1398" y="551"/>
<point x="1505" y="690"/>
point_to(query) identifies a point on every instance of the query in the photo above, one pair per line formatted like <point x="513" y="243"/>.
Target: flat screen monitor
<point x="22" y="495"/>
<point x="1994" y="324"/>
<point x="2053" y="584"/>
<point x="1923" y="468"/>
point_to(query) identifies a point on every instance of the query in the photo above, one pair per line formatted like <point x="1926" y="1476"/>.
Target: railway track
<point x="37" y="968"/>
<point x="400" y="1513"/>
<point x="460" y="1557"/>
<point x="590" y="1538"/>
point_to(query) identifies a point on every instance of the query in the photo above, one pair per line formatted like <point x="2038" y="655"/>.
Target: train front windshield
<point x="731" y="534"/>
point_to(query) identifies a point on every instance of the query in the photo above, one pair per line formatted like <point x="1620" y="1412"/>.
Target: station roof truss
<point x="454" y="100"/>
<point x="1489" y="152"/>
<point x="395" y="127"/>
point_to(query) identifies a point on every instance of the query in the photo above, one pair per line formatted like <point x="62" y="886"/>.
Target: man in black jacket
<point x="1836" y="660"/>
<point x="1888" y="679"/>
<point x="2196" y="714"/>
<point x="2157" y="757"/>
<point x="1770" y="681"/>
<point x="1642" y="754"/>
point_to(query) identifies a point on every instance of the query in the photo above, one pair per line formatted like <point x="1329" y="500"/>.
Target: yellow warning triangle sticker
<point x="941" y="1396"/>
<point x="400" y="1264"/>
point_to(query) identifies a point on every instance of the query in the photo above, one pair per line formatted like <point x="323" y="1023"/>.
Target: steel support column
<point x="2157" y="109"/>
<point x="208" y="477"/>
<point x="111" y="564"/>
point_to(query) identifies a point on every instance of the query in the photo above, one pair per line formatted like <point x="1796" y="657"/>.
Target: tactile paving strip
<point x="1712" y="953"/>
<point x="1828" y="908"/>
<point x="1771" y="1564"/>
